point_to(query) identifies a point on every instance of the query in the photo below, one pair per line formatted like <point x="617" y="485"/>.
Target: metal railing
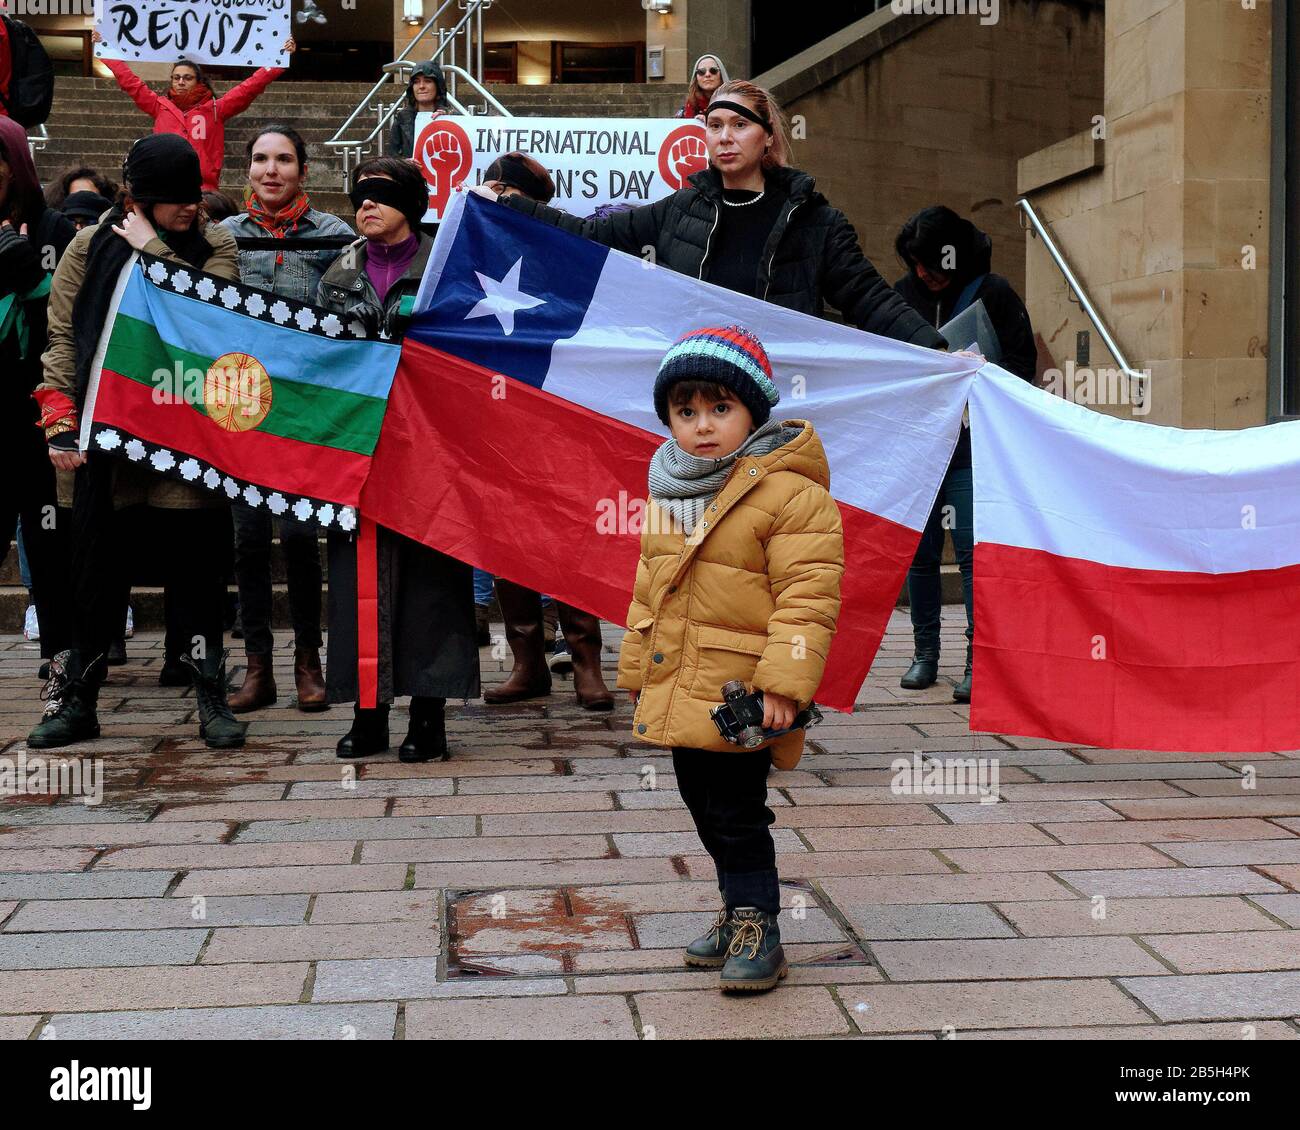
<point x="463" y="41"/>
<point x="1040" y="229"/>
<point x="38" y="139"/>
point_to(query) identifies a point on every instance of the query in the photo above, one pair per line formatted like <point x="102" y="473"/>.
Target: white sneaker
<point x="130" y="623"/>
<point x="31" y="629"/>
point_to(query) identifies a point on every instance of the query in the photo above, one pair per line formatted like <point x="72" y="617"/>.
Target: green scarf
<point x="13" y="318"/>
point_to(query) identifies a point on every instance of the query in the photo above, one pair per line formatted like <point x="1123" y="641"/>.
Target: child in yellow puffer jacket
<point x="742" y="553"/>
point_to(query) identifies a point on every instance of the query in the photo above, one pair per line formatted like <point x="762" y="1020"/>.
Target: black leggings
<point x="188" y="550"/>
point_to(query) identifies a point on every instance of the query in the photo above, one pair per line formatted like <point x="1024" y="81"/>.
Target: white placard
<point x="593" y="161"/>
<point x="235" y="33"/>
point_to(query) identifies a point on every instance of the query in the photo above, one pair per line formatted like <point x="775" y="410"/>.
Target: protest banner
<point x="593" y="161"/>
<point x="236" y="33"/>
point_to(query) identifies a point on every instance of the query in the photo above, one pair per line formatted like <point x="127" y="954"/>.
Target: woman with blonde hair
<point x="708" y="74"/>
<point x="753" y="224"/>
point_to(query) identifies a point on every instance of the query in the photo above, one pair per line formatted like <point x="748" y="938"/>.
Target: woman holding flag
<point x="401" y="615"/>
<point x="159" y="215"/>
<point x="753" y="224"/>
<point x="285" y="247"/>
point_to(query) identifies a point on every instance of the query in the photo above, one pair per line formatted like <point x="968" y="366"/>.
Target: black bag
<point x="31" y="85"/>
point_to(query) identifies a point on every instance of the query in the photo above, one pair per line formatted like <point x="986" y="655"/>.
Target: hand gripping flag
<point x="522" y="420"/>
<point x="1136" y="586"/>
<point x="272" y="402"/>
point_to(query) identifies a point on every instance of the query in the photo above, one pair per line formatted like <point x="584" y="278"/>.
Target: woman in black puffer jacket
<point x="751" y="223"/>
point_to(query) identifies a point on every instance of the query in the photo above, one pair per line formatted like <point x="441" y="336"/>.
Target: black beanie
<point x="163" y="168"/>
<point x="87" y="206"/>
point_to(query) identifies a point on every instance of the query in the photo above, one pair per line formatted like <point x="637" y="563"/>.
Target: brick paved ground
<point x="542" y="882"/>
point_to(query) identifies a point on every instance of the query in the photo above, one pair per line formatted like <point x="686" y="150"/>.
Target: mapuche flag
<point x="522" y="419"/>
<point x="272" y="402"/>
<point x="1136" y="586"/>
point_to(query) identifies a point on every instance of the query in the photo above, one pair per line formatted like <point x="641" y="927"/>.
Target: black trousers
<point x="28" y="492"/>
<point x="189" y="550"/>
<point x="253" y="532"/>
<point x="727" y="796"/>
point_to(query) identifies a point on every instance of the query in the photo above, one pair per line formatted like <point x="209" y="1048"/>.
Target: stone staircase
<point x="94" y="123"/>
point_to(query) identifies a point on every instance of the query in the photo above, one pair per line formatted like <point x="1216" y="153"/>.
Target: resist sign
<point x="236" y="33"/>
<point x="593" y="161"/>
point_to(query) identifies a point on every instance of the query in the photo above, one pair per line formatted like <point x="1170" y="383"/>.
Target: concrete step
<point x="146" y="608"/>
<point x="10" y="575"/>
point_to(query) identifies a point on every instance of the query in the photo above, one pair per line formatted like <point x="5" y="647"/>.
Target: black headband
<point x="738" y="108"/>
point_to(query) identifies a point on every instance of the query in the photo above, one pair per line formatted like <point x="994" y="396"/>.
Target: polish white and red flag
<point x="521" y="421"/>
<point x="1136" y="586"/>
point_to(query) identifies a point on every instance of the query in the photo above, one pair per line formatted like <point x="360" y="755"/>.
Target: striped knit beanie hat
<point x="730" y="356"/>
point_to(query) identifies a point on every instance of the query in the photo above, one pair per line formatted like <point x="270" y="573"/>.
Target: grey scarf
<point x="683" y="485"/>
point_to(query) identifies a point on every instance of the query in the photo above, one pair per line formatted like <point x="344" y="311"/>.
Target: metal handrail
<point x="478" y="88"/>
<point x="39" y="141"/>
<point x="390" y="70"/>
<point x="1072" y="281"/>
<point x="394" y="71"/>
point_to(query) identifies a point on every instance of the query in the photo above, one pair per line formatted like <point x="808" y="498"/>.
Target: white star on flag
<point x="503" y="298"/>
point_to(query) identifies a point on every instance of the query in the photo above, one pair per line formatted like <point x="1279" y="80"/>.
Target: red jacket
<point x="203" y="125"/>
<point x="6" y="65"/>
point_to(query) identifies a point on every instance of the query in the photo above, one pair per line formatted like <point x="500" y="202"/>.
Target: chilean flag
<point x="1136" y="586"/>
<point x="521" y="421"/>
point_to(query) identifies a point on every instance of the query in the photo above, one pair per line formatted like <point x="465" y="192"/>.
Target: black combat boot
<point x="755" y="959"/>
<point x="426" y="740"/>
<point x="369" y="733"/>
<point x="923" y="672"/>
<point x="71" y="694"/>
<point x="961" y="692"/>
<point x="217" y="725"/>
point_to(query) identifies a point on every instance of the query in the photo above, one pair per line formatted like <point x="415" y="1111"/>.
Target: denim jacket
<point x="300" y="274"/>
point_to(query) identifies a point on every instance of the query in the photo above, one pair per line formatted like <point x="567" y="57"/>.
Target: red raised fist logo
<point x="682" y="154"/>
<point x="444" y="155"/>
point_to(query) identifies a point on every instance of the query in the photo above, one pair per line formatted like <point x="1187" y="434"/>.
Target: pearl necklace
<point x="744" y="203"/>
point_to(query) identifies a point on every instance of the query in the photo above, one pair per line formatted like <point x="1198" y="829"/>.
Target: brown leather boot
<point x="309" y="680"/>
<point x="522" y="610"/>
<point x="258" y="689"/>
<point x="582" y="633"/>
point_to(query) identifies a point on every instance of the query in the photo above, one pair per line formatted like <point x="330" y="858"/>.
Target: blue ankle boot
<point x="755" y="959"/>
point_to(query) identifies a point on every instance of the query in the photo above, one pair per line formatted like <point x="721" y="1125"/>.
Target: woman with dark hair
<point x="79" y="178"/>
<point x="948" y="262"/>
<point x="420" y="639"/>
<point x="706" y="76"/>
<point x="219" y="207"/>
<point x="191" y="109"/>
<point x="189" y="527"/>
<point x="530" y="677"/>
<point x="32" y="237"/>
<point x="285" y="246"/>
<point x="751" y="223"/>
<point x="426" y="93"/>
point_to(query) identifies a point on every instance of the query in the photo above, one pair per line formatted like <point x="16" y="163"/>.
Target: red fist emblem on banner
<point x="682" y="154"/>
<point x="444" y="155"/>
